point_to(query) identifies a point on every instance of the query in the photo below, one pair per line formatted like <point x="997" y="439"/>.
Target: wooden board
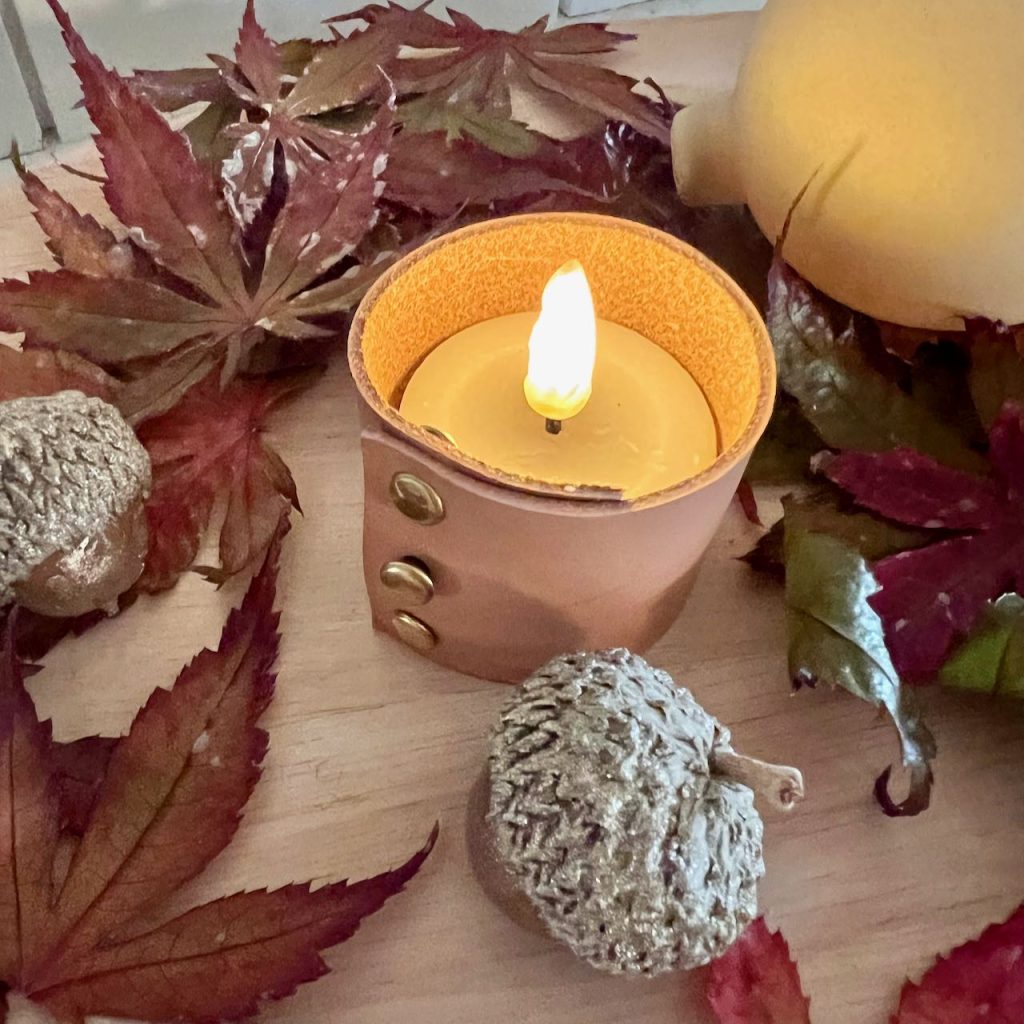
<point x="370" y="744"/>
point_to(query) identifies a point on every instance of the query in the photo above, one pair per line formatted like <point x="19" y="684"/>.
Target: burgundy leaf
<point x="172" y="90"/>
<point x="81" y="767"/>
<point x="186" y="279"/>
<point x="29" y="822"/>
<point x="309" y="150"/>
<point x="915" y="489"/>
<point x="1006" y="451"/>
<point x="105" y="319"/>
<point x="78" y="242"/>
<point x="480" y="69"/>
<point x="257" y="56"/>
<point x="324" y="217"/>
<point x="748" y="503"/>
<point x="42" y="372"/>
<point x="177" y="782"/>
<point x="36" y="635"/>
<point x="933" y="595"/>
<point x="220" y="961"/>
<point x="344" y="72"/>
<point x="160" y="385"/>
<point x="427" y="171"/>
<point x="155" y="185"/>
<point x="210" y="446"/>
<point x="94" y="937"/>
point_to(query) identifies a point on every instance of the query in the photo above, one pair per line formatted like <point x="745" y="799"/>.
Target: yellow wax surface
<point x="647" y="425"/>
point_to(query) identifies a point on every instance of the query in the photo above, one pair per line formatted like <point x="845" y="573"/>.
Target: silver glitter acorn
<point x="619" y="809"/>
<point x="73" y="482"/>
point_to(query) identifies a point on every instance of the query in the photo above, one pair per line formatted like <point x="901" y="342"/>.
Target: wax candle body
<point x="647" y="425"/>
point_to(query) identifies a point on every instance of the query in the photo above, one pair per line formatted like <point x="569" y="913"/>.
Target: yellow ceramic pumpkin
<point x="909" y="116"/>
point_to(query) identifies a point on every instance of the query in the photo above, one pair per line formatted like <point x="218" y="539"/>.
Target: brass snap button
<point x="411" y="631"/>
<point x="416" y="499"/>
<point x="409" y="580"/>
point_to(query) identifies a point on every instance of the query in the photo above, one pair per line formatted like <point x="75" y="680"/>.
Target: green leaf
<point x="939" y="381"/>
<point x="992" y="659"/>
<point x="824" y="511"/>
<point x="997" y="368"/>
<point x="822" y="352"/>
<point x="206" y="131"/>
<point x="836" y="637"/>
<point x="783" y="454"/>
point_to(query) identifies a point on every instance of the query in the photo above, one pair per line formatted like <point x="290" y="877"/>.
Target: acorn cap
<point x="73" y="480"/>
<point x="619" y="808"/>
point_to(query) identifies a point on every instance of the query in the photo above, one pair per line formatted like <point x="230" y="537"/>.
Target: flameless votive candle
<point x="638" y="421"/>
<point x="557" y="410"/>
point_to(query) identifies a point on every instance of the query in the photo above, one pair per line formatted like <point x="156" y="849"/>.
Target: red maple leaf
<point x="40" y="372"/>
<point x="87" y="938"/>
<point x="186" y="276"/>
<point x="481" y="69"/>
<point x="932" y="595"/>
<point x="980" y="982"/>
<point x="282" y="113"/>
<point x="757" y="982"/>
<point x="210" y="448"/>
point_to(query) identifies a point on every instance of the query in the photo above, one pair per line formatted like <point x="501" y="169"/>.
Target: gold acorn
<point x="620" y="818"/>
<point x="73" y="482"/>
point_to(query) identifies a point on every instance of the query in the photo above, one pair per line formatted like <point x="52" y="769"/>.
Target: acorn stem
<point x="781" y="785"/>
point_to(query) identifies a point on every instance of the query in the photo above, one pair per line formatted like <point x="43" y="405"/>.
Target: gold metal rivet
<point x="409" y="580"/>
<point x="416" y="499"/>
<point x="413" y="632"/>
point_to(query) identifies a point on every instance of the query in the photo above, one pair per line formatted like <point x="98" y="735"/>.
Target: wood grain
<point x="370" y="744"/>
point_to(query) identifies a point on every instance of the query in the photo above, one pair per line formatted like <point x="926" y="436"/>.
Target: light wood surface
<point x="370" y="744"/>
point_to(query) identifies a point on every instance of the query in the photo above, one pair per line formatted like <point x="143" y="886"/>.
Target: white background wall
<point x="175" y="33"/>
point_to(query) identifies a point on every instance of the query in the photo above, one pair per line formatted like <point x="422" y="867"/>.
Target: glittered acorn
<point x="616" y="815"/>
<point x="73" y="483"/>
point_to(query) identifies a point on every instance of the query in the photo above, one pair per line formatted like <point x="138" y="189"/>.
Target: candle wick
<point x="553" y="426"/>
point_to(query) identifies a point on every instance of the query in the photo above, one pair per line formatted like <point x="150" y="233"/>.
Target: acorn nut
<point x="620" y="810"/>
<point x="73" y="483"/>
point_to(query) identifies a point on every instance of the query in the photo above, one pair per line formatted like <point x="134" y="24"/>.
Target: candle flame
<point x="563" y="346"/>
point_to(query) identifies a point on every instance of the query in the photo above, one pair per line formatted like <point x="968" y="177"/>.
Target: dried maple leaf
<point x="757" y="982"/>
<point x="154" y="390"/>
<point x="40" y="372"/>
<point x="196" y="284"/>
<point x="281" y="113"/>
<point x="933" y="595"/>
<point x="474" y="79"/>
<point x="78" y="241"/>
<point x="429" y="172"/>
<point x="88" y="939"/>
<point x="210" y="448"/>
<point x="980" y="982"/>
<point x="81" y="768"/>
